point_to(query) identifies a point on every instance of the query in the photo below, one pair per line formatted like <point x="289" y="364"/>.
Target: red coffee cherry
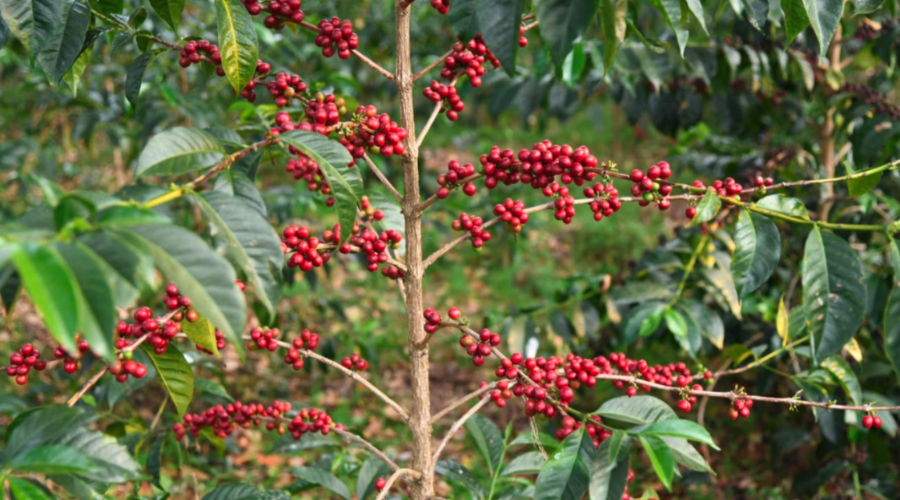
<point x="380" y="484"/>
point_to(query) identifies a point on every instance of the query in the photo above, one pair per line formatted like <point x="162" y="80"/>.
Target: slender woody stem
<point x="456" y="426"/>
<point x="384" y="180"/>
<point x="398" y="473"/>
<point x="461" y="401"/>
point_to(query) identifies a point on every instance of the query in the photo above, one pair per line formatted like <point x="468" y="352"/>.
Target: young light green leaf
<point x="178" y="151"/>
<point x="678" y="428"/>
<point x="488" y="438"/>
<point x="567" y="475"/>
<point x="859" y="186"/>
<point x="175" y="374"/>
<point x="708" y="207"/>
<point x="843" y="374"/>
<point x="169" y="11"/>
<point x="757" y="251"/>
<point x="237" y="42"/>
<point x="52" y="288"/>
<point x="660" y="457"/>
<point x="202" y="333"/>
<point x="322" y="478"/>
<point x="782" y="323"/>
<point x="834" y="296"/>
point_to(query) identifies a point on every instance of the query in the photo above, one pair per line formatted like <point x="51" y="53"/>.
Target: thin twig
<point x="434" y="114"/>
<point x="456" y="426"/>
<point x="159" y="413"/>
<point x="90" y="383"/>
<point x="395" y="476"/>
<point x="437" y="62"/>
<point x="367" y="445"/>
<point x="461" y="401"/>
<point x="387" y="74"/>
<point x="384" y="180"/>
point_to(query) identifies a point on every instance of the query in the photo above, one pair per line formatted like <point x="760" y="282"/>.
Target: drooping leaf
<point x="707" y="322"/>
<point x="488" y="438"/>
<point x="795" y="19"/>
<point x="757" y="251"/>
<point x="42" y="425"/>
<point x="708" y="207"/>
<point x="135" y="77"/>
<point x="824" y="16"/>
<point x="175" y="374"/>
<point x="685" y="454"/>
<point x="671" y="10"/>
<point x="178" y="151"/>
<point x="98" y="316"/>
<point x="57" y="33"/>
<point x="891" y="328"/>
<point x="51" y="459"/>
<point x="859" y="186"/>
<point x="237" y="42"/>
<point x="643" y="321"/>
<point x="636" y="410"/>
<point x="696" y="8"/>
<point x="73" y="76"/>
<point x="169" y="11"/>
<point x="238" y="181"/>
<point x="526" y="463"/>
<point x="612" y="17"/>
<point x="678" y="428"/>
<point x="660" y="457"/>
<point x="782" y="323"/>
<point x="346" y="188"/>
<point x="202" y="333"/>
<point x="843" y="374"/>
<point x="154" y="461"/>
<point x="24" y="489"/>
<point x="567" y="474"/>
<point x="322" y="478"/>
<point x="131" y="263"/>
<point x="111" y="460"/>
<point x="834" y="296"/>
<point x="371" y="470"/>
<point x="675" y="322"/>
<point x="201" y="274"/>
<point x="609" y="471"/>
<point x="757" y="13"/>
<point x="212" y="388"/>
<point x="498" y="23"/>
<point x="52" y="288"/>
<point x="561" y="22"/>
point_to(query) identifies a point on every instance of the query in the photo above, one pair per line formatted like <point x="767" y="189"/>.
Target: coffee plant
<point x="781" y="182"/>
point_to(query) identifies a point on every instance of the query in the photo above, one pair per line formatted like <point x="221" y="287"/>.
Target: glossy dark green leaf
<point x="96" y="302"/>
<point x="52" y="288"/>
<point x="824" y="17"/>
<point x="238" y="181"/>
<point x="175" y="374"/>
<point x="843" y="374"/>
<point x="499" y="22"/>
<point x="131" y="263"/>
<point x="707" y="322"/>
<point x="526" y="463"/>
<point x="464" y="18"/>
<point x="451" y="469"/>
<point x="51" y="459"/>
<point x="784" y="205"/>
<point x="24" y="489"/>
<point x="18" y="16"/>
<point x="322" y="478"/>
<point x="332" y="157"/>
<point x="154" y="461"/>
<point x="660" y="457"/>
<point x="795" y="19"/>
<point x="612" y="18"/>
<point x="708" y="207"/>
<point x="567" y="474"/>
<point x="109" y="6"/>
<point x="685" y="454"/>
<point x="371" y="470"/>
<point x="112" y="463"/>
<point x="488" y="439"/>
<point x="178" y="151"/>
<point x="686" y="429"/>
<point x="169" y="11"/>
<point x="757" y="251"/>
<point x="42" y="425"/>
<point x="636" y="410"/>
<point x="234" y="491"/>
<point x="250" y="242"/>
<point x="563" y="21"/>
<point x="135" y="77"/>
<point x="201" y="274"/>
<point x="834" y="296"/>
<point x="671" y="11"/>
<point x="609" y="472"/>
<point x="643" y="321"/>
<point x="212" y="388"/>
<point x="237" y="42"/>
<point x="57" y="34"/>
<point x="891" y="329"/>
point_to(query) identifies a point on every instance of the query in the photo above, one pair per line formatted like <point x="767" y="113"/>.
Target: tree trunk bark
<point x="826" y="133"/>
<point x="420" y="413"/>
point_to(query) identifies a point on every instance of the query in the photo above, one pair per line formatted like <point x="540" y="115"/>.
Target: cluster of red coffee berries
<point x="160" y="333"/>
<point x="442" y="6"/>
<point x="432" y="320"/>
<point x="307" y="340"/>
<point x="563" y="202"/>
<point x="23" y="361"/>
<point x="688" y="400"/>
<point x="71" y="364"/>
<point x="324" y="109"/>
<point x="303" y="247"/>
<point x="740" y="408"/>
<point x="223" y="420"/>
<point x="280" y="12"/>
<point x="354" y="362"/>
<point x="375" y="132"/>
<point x="651" y="186"/>
<point x="480" y="347"/>
<point x="728" y="187"/>
<point x="284" y="88"/>
<point x="453" y="103"/>
<point x="539" y="166"/>
<point x="122" y="369"/>
<point x="468" y="59"/>
<point x="871" y="421"/>
<point x="512" y="212"/>
<point x="264" y="339"/>
<point x="472" y="225"/>
<point x="762" y="182"/>
<point x="193" y="52"/>
<point x="374" y="246"/>
<point x="523" y="42"/>
<point x="594" y="429"/>
<point x="451" y="179"/>
<point x="335" y="34"/>
<point x="606" y="200"/>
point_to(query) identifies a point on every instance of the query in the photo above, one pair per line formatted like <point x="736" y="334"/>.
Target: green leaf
<point x="894" y="251"/>
<point x="671" y="10"/>
<point x="234" y="491"/>
<point x="782" y="323"/>
<point x="322" y="478"/>
<point x="169" y="11"/>
<point x="834" y="296"/>
<point x="757" y="251"/>
<point x="451" y="469"/>
<point x="643" y="321"/>
<point x="239" y="182"/>
<point x="573" y="66"/>
<point x="824" y="16"/>
<point x="131" y="263"/>
<point x="73" y="76"/>
<point x="42" y="425"/>
<point x="111" y="461"/>
<point x="866" y="6"/>
<point x="52" y="288"/>
<point x="567" y="474"/>
<point x="51" y="459"/>
<point x="154" y="460"/>
<point x="212" y="388"/>
<point x="129" y="215"/>
<point x="345" y="188"/>
<point x="859" y="186"/>
<point x="24" y="489"/>
<point x="175" y="374"/>
<point x="488" y="439"/>
<point x="609" y="472"/>
<point x="675" y="322"/>
<point x="499" y="22"/>
<point x="96" y="303"/>
<point x="202" y="333"/>
<point x="843" y="374"/>
<point x="891" y="329"/>
<point x="249" y="241"/>
<point x="371" y="470"/>
<point x="135" y="77"/>
<point x="707" y="322"/>
<point x="526" y="463"/>
<point x="59" y="30"/>
<point x="784" y="205"/>
<point x="687" y="455"/>
<point x="178" y="151"/>
<point x="636" y="410"/>
<point x="563" y="21"/>
<point x="661" y="458"/>
<point x="612" y="18"/>
<point x="18" y="16"/>
<point x="795" y="19"/>
<point x="201" y="274"/>
<point x="757" y="13"/>
<point x="708" y="207"/>
<point x="678" y="428"/>
<point x="237" y="42"/>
